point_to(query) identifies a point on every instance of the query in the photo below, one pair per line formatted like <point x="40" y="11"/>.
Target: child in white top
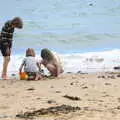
<point x="31" y="66"/>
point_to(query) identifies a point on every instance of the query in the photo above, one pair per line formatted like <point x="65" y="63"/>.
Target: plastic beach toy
<point x="23" y="76"/>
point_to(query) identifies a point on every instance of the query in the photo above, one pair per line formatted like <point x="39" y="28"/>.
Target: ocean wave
<point x="85" y="62"/>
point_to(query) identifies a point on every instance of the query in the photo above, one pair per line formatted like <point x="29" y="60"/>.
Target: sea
<point x="85" y="33"/>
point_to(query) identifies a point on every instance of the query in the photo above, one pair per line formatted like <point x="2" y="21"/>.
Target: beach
<point x="71" y="96"/>
<point x="86" y="35"/>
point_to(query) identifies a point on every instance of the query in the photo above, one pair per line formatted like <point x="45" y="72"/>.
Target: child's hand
<point x="20" y="70"/>
<point x="21" y="67"/>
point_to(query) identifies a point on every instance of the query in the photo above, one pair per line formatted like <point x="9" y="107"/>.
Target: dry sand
<point x="98" y="96"/>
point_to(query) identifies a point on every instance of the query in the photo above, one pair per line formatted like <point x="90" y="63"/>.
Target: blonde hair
<point x="30" y="52"/>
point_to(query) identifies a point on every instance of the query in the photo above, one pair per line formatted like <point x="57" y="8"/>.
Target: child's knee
<point x="7" y="59"/>
<point x="50" y="67"/>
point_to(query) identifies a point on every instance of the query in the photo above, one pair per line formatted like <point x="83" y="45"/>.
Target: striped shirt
<point x="7" y="32"/>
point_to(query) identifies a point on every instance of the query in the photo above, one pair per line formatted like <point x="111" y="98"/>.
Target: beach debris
<point x="92" y="109"/>
<point x="74" y="83"/>
<point x="118" y="99"/>
<point x="95" y="59"/>
<point x="73" y="77"/>
<point x="72" y="98"/>
<point x="86" y="94"/>
<point x="107" y="76"/>
<point x="69" y="72"/>
<point x="106" y="95"/>
<point x="101" y="100"/>
<point x="57" y="91"/>
<point x="51" y="101"/>
<point x="51" y="86"/>
<point x="38" y="98"/>
<point x="85" y="87"/>
<point x="57" y="110"/>
<point x="116" y="68"/>
<point x="107" y="83"/>
<point x="95" y="100"/>
<point x="102" y="76"/>
<point x="118" y="107"/>
<point x="82" y="84"/>
<point x="80" y="72"/>
<point x="4" y="116"/>
<point x="111" y="76"/>
<point x="31" y="88"/>
<point x="118" y="75"/>
<point x="2" y="86"/>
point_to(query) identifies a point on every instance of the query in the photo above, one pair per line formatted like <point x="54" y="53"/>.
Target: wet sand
<point x="96" y="95"/>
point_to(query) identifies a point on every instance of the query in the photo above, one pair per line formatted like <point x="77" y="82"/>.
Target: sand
<point x="97" y="95"/>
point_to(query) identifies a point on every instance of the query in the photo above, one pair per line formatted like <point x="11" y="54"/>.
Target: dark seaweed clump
<point x="63" y="109"/>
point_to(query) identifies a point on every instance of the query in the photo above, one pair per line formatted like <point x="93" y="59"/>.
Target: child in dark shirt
<point x="6" y="37"/>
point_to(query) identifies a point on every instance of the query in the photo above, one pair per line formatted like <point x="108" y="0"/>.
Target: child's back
<point x="30" y="64"/>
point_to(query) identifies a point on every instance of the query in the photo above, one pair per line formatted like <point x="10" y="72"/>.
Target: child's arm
<point x="57" y="69"/>
<point x="39" y="65"/>
<point x="21" y="67"/>
<point x="44" y="62"/>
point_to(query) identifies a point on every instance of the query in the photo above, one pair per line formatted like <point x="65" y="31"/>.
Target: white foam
<point x="85" y="62"/>
<point x="92" y="61"/>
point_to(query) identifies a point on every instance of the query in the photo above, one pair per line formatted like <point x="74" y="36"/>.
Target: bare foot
<point x="38" y="78"/>
<point x="4" y="77"/>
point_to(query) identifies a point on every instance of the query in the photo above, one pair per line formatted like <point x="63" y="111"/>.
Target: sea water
<point x="85" y="33"/>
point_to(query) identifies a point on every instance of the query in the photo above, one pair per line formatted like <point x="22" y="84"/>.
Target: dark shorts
<point x="5" y="47"/>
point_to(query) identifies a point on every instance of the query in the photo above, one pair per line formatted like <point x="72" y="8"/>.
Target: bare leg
<point x="5" y="66"/>
<point x="38" y="76"/>
<point x="6" y="62"/>
<point x="52" y="69"/>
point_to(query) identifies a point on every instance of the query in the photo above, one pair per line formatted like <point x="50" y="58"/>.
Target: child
<point x="6" y="37"/>
<point x="52" y="62"/>
<point x="31" y="66"/>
